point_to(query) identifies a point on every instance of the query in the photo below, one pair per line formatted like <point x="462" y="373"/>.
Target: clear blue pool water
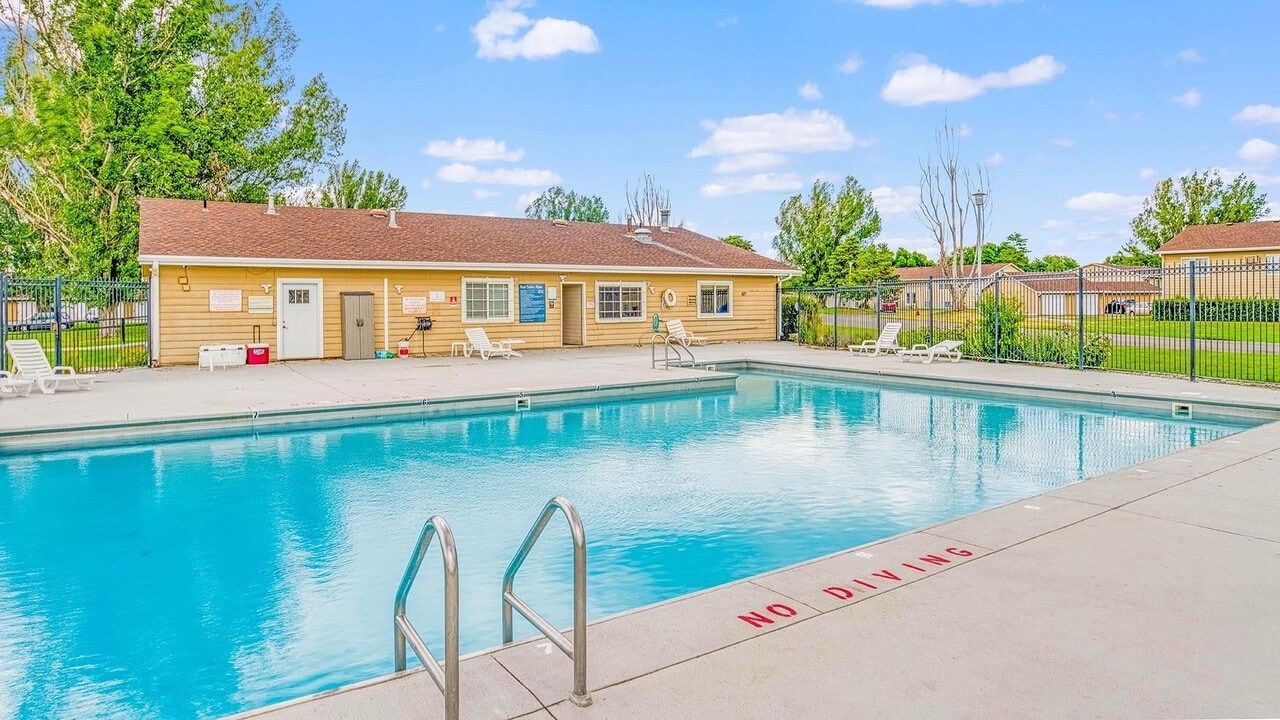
<point x="199" y="578"/>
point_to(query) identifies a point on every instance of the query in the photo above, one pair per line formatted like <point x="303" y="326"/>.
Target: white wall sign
<point x="261" y="305"/>
<point x="590" y="305"/>
<point x="225" y="301"/>
<point x="413" y="305"/>
<point x="551" y="292"/>
<point x="437" y="295"/>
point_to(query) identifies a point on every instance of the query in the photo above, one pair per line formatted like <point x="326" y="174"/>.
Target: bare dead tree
<point x="646" y="201"/>
<point x="946" y="200"/>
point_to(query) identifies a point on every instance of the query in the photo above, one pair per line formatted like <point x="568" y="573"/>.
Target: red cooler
<point x="258" y="354"/>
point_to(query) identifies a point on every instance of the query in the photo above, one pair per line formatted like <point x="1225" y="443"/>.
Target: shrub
<point x="1218" y="310"/>
<point x="988" y="338"/>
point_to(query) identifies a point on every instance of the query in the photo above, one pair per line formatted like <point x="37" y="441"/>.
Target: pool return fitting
<point x="445" y="675"/>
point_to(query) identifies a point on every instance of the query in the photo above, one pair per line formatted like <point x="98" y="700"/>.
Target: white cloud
<point x="525" y="199"/>
<point x="748" y="161"/>
<point x="908" y="4"/>
<point x="1106" y="203"/>
<point x="1110" y="117"/>
<point x="791" y="131"/>
<point x="1190" y="55"/>
<point x="426" y="184"/>
<point x="1258" y="151"/>
<point x="1190" y="98"/>
<point x="485" y="193"/>
<point x="1259" y="115"/>
<point x="896" y="200"/>
<point x="479" y="150"/>
<point x="964" y="130"/>
<point x="996" y="159"/>
<point x="1056" y="224"/>
<point x="850" y="65"/>
<point x="440" y="28"/>
<point x="498" y="36"/>
<point x="729" y="21"/>
<point x="747" y="184"/>
<point x="1063" y="142"/>
<point x="921" y="82"/>
<point x="1095" y="235"/>
<point x="809" y="91"/>
<point x="460" y="173"/>
<point x="1147" y="173"/>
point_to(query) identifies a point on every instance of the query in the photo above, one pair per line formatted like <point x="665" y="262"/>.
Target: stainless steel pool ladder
<point x="577" y="650"/>
<point x="445" y="675"/>
<point x="668" y="348"/>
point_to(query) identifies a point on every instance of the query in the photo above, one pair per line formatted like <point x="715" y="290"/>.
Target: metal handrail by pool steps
<point x="668" y="346"/>
<point x="445" y="675"/>
<point x="577" y="651"/>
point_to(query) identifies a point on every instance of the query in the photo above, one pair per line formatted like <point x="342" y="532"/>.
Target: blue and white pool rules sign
<point x="533" y="303"/>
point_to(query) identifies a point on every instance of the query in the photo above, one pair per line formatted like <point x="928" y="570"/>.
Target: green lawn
<point x="85" y="347"/>
<point x="1247" y="367"/>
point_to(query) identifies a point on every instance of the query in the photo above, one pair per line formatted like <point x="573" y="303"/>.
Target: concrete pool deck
<point x="1146" y="592"/>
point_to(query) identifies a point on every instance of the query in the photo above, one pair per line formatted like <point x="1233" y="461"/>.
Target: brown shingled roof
<point x="1070" y="284"/>
<point x="937" y="273"/>
<point x="1231" y="236"/>
<point x="240" y="233"/>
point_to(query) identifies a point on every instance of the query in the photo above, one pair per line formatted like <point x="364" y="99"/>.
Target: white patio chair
<point x="31" y="364"/>
<point x="12" y="385"/>
<point x="480" y="343"/>
<point x="676" y="331"/>
<point x="946" y="348"/>
<point x="886" y="343"/>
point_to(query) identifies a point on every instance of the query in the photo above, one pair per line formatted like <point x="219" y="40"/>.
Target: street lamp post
<point x="979" y="199"/>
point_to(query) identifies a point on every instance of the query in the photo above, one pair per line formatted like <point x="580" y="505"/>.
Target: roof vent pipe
<point x="643" y="236"/>
<point x="665" y="214"/>
<point x="391" y="222"/>
<point x="271" y="203"/>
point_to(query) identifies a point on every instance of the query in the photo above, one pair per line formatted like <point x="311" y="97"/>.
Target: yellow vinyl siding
<point x="1231" y="274"/>
<point x="186" y="323"/>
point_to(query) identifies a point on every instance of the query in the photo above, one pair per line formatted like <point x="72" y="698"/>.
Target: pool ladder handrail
<point x="669" y="346"/>
<point x="577" y="650"/>
<point x="445" y="675"/>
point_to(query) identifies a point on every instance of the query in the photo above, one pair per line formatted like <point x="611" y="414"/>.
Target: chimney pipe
<point x="271" y="203"/>
<point x="392" y="222"/>
<point x="665" y="215"/>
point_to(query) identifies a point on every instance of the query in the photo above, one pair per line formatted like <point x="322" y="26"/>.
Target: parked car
<point x="889" y="306"/>
<point x="1128" y="306"/>
<point x="41" y="321"/>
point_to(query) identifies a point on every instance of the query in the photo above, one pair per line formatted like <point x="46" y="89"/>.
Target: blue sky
<point x="1077" y="107"/>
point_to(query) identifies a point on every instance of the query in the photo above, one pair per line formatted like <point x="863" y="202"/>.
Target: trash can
<point x="258" y="354"/>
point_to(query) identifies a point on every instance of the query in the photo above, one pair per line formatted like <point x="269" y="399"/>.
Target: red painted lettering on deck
<point x="913" y="567"/>
<point x="755" y="619"/>
<point x="864" y="584"/>
<point x="935" y="560"/>
<point x="886" y="575"/>
<point x="960" y="552"/>
<point x="838" y="593"/>
<point x="781" y="610"/>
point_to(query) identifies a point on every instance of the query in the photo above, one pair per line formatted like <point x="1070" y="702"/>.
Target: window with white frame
<point x="1202" y="264"/>
<point x="620" y="302"/>
<point x="1273" y="264"/>
<point x="715" y="299"/>
<point x="486" y="300"/>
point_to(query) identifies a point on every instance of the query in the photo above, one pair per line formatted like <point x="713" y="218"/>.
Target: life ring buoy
<point x="669" y="298"/>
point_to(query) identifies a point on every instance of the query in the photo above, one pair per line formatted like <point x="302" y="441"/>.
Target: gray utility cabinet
<point x="357" y="326"/>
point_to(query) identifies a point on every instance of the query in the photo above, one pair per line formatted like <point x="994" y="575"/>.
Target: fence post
<point x="57" y="320"/>
<point x="1191" y="292"/>
<point x="997" y="293"/>
<point x="778" y="303"/>
<point x="1080" y="318"/>
<point x="835" y="319"/>
<point x="4" y="319"/>
<point x="878" y="308"/>
<point x="930" y="293"/>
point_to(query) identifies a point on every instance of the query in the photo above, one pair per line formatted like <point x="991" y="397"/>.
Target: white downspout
<point x="154" y="301"/>
<point x="386" y="317"/>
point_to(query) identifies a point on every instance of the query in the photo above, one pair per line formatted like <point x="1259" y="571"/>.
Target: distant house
<point x="919" y="284"/>
<point x="1041" y="293"/>
<point x="1240" y="260"/>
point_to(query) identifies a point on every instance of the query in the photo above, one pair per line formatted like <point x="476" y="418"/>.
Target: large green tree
<point x="830" y="235"/>
<point x="1201" y="198"/>
<point x="1012" y="249"/>
<point x="106" y="101"/>
<point x="1053" y="263"/>
<point x="556" y="203"/>
<point x="350" y="186"/>
<point x="905" y="258"/>
<point x="738" y="241"/>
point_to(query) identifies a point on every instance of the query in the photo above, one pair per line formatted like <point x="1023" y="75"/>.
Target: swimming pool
<point x="198" y="578"/>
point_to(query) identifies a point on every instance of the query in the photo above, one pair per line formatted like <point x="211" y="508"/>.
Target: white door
<point x="300" y="320"/>
<point x="1053" y="304"/>
<point x="1090" y="304"/>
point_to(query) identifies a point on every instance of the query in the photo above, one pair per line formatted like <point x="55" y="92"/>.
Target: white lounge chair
<point x="886" y="343"/>
<point x="32" y="365"/>
<point x="11" y="384"/>
<point x="946" y="348"/>
<point x="676" y="331"/>
<point x="480" y="343"/>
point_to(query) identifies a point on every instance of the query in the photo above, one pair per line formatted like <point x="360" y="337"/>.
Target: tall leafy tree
<point x="738" y="241"/>
<point x="1201" y="198"/>
<point x="106" y="101"/>
<point x="350" y="186"/>
<point x="828" y="233"/>
<point x="905" y="258"/>
<point x="556" y="203"/>
<point x="1012" y="249"/>
<point x="1053" y="263"/>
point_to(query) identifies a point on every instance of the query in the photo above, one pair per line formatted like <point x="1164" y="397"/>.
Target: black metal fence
<point x="1196" y="319"/>
<point x="87" y="324"/>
